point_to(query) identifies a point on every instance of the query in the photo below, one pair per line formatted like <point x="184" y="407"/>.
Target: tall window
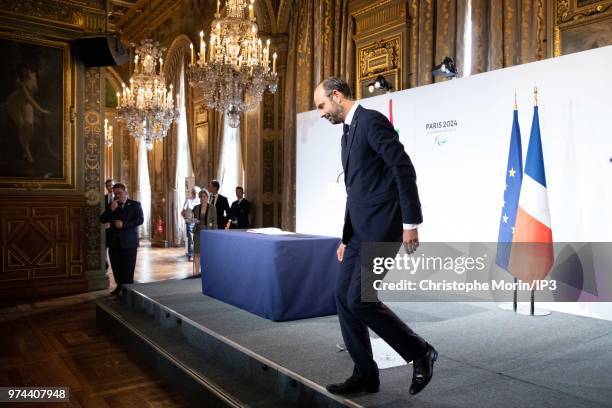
<point x="183" y="158"/>
<point x="467" y="41"/>
<point x="231" y="172"/>
<point x="144" y="193"/>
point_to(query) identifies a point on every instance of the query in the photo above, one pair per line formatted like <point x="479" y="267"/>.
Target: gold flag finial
<point x="515" y="104"/>
<point x="535" y="95"/>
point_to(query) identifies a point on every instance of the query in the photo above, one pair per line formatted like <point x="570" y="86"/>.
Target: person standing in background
<point x="220" y="202"/>
<point x="205" y="217"/>
<point x="187" y="213"/>
<point x="124" y="216"/>
<point x="239" y="211"/>
<point x="108" y="199"/>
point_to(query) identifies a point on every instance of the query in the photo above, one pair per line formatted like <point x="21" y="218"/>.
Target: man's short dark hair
<point x="108" y="181"/>
<point x="240" y="188"/>
<point x="332" y="84"/>
<point x="215" y="184"/>
<point x="120" y="186"/>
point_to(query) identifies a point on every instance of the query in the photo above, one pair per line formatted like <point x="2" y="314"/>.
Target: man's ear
<point x="338" y="96"/>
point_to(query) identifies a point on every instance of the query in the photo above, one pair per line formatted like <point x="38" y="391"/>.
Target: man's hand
<point x="114" y="205"/>
<point x="340" y="252"/>
<point x="118" y="224"/>
<point x="411" y="240"/>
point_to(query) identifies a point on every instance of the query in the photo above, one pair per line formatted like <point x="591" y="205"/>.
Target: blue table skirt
<point x="281" y="278"/>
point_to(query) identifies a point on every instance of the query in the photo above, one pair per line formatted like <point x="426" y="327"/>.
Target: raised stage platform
<point x="219" y="355"/>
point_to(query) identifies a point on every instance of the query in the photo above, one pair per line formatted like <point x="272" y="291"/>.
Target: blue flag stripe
<point x="534" y="164"/>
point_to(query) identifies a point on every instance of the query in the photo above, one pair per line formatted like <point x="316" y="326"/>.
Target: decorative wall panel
<point x="43" y="244"/>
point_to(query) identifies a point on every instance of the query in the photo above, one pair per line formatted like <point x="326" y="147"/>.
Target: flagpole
<point x="515" y="300"/>
<point x="515" y="296"/>
<point x="523" y="310"/>
<point x="532" y="309"/>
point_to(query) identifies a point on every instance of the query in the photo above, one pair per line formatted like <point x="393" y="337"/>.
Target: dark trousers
<point x="356" y="316"/>
<point x="123" y="262"/>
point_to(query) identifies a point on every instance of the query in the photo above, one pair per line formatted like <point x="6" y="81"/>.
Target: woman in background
<point x="205" y="217"/>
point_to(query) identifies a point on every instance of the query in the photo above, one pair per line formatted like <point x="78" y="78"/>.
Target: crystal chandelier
<point x="108" y="133"/>
<point x="146" y="107"/>
<point x="236" y="71"/>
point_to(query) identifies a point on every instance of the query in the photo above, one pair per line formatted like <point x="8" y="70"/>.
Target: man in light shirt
<point x="187" y="214"/>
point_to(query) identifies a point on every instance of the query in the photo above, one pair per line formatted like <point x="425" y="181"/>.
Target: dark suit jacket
<point x="132" y="217"/>
<point x="380" y="181"/>
<point x="223" y="210"/>
<point x="239" y="213"/>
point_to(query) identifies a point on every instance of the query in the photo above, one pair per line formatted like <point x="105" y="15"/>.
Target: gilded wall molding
<point x="379" y="57"/>
<point x="580" y="25"/>
<point x="373" y="18"/>
<point x="381" y="29"/>
<point x="574" y="10"/>
<point x="70" y="15"/>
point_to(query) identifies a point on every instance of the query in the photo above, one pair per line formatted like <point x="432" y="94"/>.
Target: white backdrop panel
<point x="461" y="169"/>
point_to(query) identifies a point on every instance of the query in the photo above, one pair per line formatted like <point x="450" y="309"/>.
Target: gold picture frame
<point x="37" y="129"/>
<point x="581" y="25"/>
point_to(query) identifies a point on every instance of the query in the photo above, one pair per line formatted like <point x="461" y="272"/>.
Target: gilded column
<point x="93" y="155"/>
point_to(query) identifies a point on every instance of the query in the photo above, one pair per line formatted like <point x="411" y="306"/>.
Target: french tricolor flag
<point x="532" y="251"/>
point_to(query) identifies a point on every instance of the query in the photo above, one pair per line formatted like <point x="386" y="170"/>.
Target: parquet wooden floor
<point x="55" y="342"/>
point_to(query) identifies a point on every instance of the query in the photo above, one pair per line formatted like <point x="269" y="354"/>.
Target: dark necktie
<point x="345" y="133"/>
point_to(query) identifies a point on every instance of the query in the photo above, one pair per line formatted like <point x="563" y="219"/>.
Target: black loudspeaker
<point x="101" y="51"/>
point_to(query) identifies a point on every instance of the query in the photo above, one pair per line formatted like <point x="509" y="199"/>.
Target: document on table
<point x="270" y="231"/>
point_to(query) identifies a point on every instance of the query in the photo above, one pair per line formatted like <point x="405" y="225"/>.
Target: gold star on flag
<point x="512" y="172"/>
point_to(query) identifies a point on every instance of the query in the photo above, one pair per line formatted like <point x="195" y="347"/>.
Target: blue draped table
<point x="279" y="277"/>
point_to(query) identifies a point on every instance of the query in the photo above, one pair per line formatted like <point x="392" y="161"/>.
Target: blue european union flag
<point x="512" y="191"/>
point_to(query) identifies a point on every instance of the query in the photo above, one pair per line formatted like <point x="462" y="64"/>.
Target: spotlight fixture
<point x="380" y="83"/>
<point x="446" y="69"/>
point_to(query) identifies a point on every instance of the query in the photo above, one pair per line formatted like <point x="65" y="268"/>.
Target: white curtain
<point x="231" y="174"/>
<point x="467" y="41"/>
<point x="144" y="192"/>
<point x="183" y="168"/>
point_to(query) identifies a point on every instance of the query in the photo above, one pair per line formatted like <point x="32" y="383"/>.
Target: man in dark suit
<point x="108" y="199"/>
<point x="239" y="211"/>
<point x="124" y="216"/>
<point x="382" y="206"/>
<point x="220" y="202"/>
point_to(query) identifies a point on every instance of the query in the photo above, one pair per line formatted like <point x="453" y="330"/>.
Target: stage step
<point x="208" y="368"/>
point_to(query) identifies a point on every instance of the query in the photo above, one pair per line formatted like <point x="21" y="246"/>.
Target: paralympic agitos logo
<point x="441" y="130"/>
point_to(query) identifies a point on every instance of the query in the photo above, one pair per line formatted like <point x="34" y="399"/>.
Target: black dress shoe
<point x="423" y="370"/>
<point x="352" y="386"/>
<point x="116" y="291"/>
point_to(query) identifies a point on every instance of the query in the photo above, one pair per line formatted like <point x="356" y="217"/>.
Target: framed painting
<point x="582" y="25"/>
<point x="37" y="139"/>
